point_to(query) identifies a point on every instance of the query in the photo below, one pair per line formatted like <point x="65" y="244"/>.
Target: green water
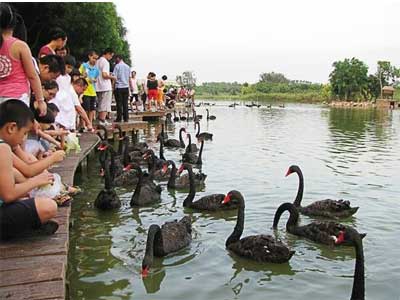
<point x="350" y="154"/>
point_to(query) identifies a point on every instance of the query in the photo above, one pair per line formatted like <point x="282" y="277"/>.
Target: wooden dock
<point x="35" y="267"/>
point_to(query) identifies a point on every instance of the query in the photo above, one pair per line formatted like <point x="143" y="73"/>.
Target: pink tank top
<point x="13" y="80"/>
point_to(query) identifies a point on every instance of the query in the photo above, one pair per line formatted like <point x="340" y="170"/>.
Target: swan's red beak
<point x="102" y="147"/>
<point x="102" y="172"/>
<point x="145" y="272"/>
<point x="146" y="155"/>
<point x="127" y="168"/>
<point x="180" y="170"/>
<point x="288" y="173"/>
<point x="184" y="129"/>
<point x="164" y="168"/>
<point x="340" y="238"/>
<point x="226" y="199"/>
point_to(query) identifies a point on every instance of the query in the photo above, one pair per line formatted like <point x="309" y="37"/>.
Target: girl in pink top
<point x="17" y="72"/>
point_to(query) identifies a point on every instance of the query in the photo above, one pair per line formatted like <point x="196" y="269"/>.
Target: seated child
<point x="18" y="213"/>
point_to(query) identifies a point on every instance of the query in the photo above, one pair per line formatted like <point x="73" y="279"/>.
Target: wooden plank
<point x="34" y="246"/>
<point x="30" y="262"/>
<point x="27" y="276"/>
<point x="41" y="290"/>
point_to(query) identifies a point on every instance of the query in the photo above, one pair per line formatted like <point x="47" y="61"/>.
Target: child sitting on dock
<point x="19" y="213"/>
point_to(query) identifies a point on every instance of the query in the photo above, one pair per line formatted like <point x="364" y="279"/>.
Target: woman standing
<point x="17" y="72"/>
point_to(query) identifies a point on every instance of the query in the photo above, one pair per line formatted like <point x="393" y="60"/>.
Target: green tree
<point x="88" y="26"/>
<point x="273" y="77"/>
<point x="349" y="79"/>
<point x="386" y="73"/>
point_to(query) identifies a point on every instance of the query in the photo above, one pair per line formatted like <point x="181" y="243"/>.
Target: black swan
<point x="173" y="143"/>
<point x="120" y="138"/>
<point x="196" y="117"/>
<point x="146" y="191"/>
<point x="351" y="236"/>
<point x="210" y="117"/>
<point x="261" y="248"/>
<point x="183" y="181"/>
<point x="190" y="147"/>
<point x="107" y="198"/>
<point x="128" y="175"/>
<point x="136" y="145"/>
<point x="323" y="208"/>
<point x="171" y="237"/>
<point x="211" y="202"/>
<point x="176" y="119"/>
<point x="104" y="136"/>
<point x="182" y="118"/>
<point x="192" y="158"/>
<point x="155" y="165"/>
<point x="188" y="117"/>
<point x="204" y="135"/>
<point x="321" y="232"/>
<point x="162" y="133"/>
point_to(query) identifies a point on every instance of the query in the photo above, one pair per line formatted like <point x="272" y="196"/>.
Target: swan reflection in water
<point x="152" y="282"/>
<point x="268" y="270"/>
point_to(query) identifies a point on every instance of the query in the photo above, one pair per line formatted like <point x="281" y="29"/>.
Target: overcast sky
<point x="233" y="40"/>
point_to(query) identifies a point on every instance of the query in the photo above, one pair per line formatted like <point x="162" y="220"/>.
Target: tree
<point x="349" y="78"/>
<point x="187" y="79"/>
<point x="273" y="77"/>
<point x="88" y="26"/>
<point x="386" y="74"/>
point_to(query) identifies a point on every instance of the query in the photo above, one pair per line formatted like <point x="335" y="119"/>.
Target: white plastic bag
<point x="72" y="143"/>
<point x="49" y="190"/>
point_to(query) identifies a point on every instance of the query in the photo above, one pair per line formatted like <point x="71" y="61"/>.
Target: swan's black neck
<point x="125" y="158"/>
<point x="208" y="114"/>
<point x="172" y="177"/>
<point x="192" y="189"/>
<point x="103" y="137"/>
<point x="299" y="196"/>
<point x="182" y="143"/>
<point x="189" y="146"/>
<point x="162" y="146"/>
<point x="120" y="140"/>
<point x="199" y="161"/>
<point x="113" y="167"/>
<point x="107" y="177"/>
<point x="198" y="128"/>
<point x="293" y="218"/>
<point x="358" y="292"/>
<point x="149" y="254"/>
<point x="238" y="230"/>
<point x="136" y="194"/>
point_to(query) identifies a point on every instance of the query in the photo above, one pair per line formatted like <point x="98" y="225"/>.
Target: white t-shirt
<point x="134" y="85"/>
<point x="103" y="85"/>
<point x="64" y="82"/>
<point x="66" y="102"/>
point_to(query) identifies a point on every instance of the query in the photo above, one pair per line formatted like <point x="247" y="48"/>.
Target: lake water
<point x="344" y="153"/>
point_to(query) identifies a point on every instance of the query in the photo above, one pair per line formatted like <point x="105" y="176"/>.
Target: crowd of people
<point x="46" y="98"/>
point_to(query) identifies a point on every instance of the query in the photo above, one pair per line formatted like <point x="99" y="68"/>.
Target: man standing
<point x="122" y="73"/>
<point x="104" y="86"/>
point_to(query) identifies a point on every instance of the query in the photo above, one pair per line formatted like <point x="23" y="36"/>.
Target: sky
<point x="221" y="40"/>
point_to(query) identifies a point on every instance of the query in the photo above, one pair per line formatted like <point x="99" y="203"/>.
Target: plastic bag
<point x="72" y="143"/>
<point x="49" y="190"/>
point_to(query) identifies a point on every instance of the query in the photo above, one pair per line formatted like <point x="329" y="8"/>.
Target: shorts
<point x="89" y="103"/>
<point x="17" y="217"/>
<point x="104" y="101"/>
<point x="152" y="94"/>
<point x="134" y="96"/>
<point x="160" y="96"/>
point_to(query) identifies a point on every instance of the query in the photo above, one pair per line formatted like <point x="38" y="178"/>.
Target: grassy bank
<point x="310" y="97"/>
